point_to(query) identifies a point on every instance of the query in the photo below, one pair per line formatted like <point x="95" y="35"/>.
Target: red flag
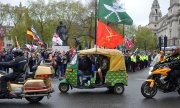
<point x="107" y="37"/>
<point x="132" y="40"/>
<point x="129" y="44"/>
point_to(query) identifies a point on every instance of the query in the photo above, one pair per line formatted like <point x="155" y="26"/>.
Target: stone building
<point x="167" y="25"/>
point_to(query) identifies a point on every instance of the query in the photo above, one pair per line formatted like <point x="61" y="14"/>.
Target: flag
<point x="132" y="40"/>
<point x="30" y="35"/>
<point x="17" y="43"/>
<point x="73" y="51"/>
<point x="31" y="47"/>
<point x="112" y="11"/>
<point x="57" y="39"/>
<point x="36" y="35"/>
<point x="129" y="44"/>
<point x="40" y="42"/>
<point x="107" y="37"/>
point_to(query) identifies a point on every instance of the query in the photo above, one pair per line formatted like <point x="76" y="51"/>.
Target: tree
<point x="145" y="39"/>
<point x="4" y="9"/>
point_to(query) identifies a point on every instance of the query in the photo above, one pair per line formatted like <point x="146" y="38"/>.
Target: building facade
<point x="167" y="25"/>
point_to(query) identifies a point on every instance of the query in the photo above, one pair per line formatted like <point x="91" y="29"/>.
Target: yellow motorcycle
<point x="33" y="89"/>
<point x="158" y="79"/>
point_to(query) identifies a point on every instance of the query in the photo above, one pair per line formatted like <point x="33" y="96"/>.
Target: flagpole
<point x="16" y="41"/>
<point x="123" y="31"/>
<point x="95" y="20"/>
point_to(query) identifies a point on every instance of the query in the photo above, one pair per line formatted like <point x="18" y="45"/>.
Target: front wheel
<point x="148" y="91"/>
<point x="119" y="89"/>
<point x="34" y="99"/>
<point x="63" y="87"/>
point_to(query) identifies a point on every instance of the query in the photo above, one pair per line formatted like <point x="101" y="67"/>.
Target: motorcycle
<point x="158" y="80"/>
<point x="34" y="87"/>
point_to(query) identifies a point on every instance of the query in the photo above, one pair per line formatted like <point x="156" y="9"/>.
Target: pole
<point x="123" y="31"/>
<point x="95" y="20"/>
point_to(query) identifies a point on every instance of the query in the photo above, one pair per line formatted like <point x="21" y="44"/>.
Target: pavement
<point x="101" y="98"/>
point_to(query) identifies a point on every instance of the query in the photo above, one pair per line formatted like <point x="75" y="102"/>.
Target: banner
<point x="107" y="37"/>
<point x="112" y="11"/>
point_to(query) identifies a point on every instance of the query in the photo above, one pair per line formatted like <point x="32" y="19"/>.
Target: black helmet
<point x="17" y="52"/>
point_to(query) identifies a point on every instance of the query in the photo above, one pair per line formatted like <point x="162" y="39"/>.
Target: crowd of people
<point x="142" y="59"/>
<point x="59" y="59"/>
<point x="134" y="61"/>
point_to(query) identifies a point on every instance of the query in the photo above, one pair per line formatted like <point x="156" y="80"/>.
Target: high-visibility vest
<point x="133" y="58"/>
<point x="146" y="57"/>
<point x="141" y="58"/>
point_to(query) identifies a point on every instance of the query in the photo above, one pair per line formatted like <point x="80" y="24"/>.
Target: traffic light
<point x="165" y="41"/>
<point x="160" y="42"/>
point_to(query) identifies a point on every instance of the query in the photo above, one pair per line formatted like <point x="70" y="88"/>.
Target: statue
<point x="61" y="30"/>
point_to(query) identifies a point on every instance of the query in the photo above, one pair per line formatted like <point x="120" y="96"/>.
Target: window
<point x="156" y="11"/>
<point x="156" y="18"/>
<point x="170" y="33"/>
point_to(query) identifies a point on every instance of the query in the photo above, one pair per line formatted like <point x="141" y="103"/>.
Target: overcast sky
<point x="138" y="9"/>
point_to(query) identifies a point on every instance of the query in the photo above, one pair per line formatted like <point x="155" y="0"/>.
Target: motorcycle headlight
<point x="150" y="70"/>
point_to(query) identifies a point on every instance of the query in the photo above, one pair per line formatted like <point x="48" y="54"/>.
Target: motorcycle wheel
<point x="63" y="87"/>
<point x="34" y="99"/>
<point x="147" y="91"/>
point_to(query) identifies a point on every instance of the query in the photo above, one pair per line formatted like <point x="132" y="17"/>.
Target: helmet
<point x="176" y="51"/>
<point x="17" y="52"/>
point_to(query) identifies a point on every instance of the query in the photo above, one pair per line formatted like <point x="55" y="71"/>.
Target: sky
<point x="139" y="10"/>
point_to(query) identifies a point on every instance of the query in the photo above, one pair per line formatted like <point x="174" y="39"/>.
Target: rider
<point x="174" y="61"/>
<point x="18" y="66"/>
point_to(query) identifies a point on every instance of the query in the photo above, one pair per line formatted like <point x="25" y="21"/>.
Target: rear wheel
<point x="148" y="91"/>
<point x="34" y="99"/>
<point x="119" y="89"/>
<point x="63" y="87"/>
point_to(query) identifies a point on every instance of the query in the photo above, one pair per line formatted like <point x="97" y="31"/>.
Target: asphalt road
<point x="101" y="98"/>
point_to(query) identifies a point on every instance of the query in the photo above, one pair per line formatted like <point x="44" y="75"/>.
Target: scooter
<point x="33" y="89"/>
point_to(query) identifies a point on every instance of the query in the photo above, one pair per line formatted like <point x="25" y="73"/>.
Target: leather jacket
<point x="17" y="64"/>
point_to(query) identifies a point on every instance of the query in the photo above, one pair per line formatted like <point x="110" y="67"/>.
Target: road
<point x="101" y="98"/>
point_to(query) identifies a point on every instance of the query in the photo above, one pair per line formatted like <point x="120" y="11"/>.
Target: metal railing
<point x="174" y="42"/>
